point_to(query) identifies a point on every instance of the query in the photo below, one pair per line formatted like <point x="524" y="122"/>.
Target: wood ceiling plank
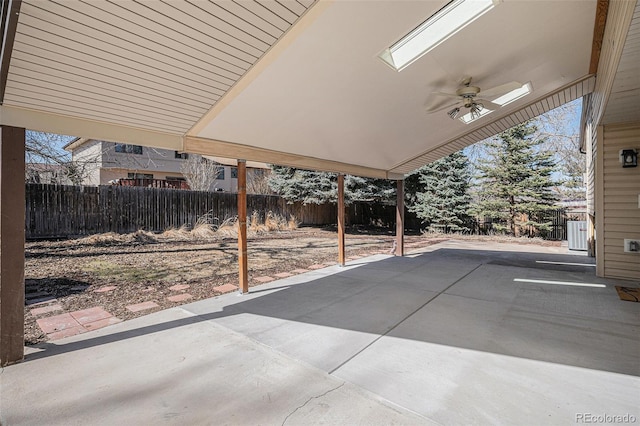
<point x="81" y="113"/>
<point x="279" y="10"/>
<point x="104" y="79"/>
<point x="266" y="14"/>
<point x="8" y="25"/>
<point x="123" y="100"/>
<point x="187" y="34"/>
<point x="117" y="20"/>
<point x="51" y="34"/>
<point x="236" y="37"/>
<point x="294" y="6"/>
<point x="93" y="104"/>
<point x="53" y="77"/>
<point x="253" y="19"/>
<point x="306" y="3"/>
<point x="197" y="28"/>
<point x="255" y="32"/>
<point x="103" y="34"/>
<point x="31" y="46"/>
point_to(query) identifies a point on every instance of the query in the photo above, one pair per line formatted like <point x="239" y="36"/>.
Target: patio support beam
<point x="12" y="195"/>
<point x="243" y="272"/>
<point x="341" y="247"/>
<point x="400" y="218"/>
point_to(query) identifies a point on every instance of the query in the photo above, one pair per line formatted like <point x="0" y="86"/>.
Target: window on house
<point x="139" y="175"/>
<point x="234" y="173"/>
<point x="128" y="149"/>
<point x="220" y="173"/>
<point x="182" y="155"/>
<point x="174" y="178"/>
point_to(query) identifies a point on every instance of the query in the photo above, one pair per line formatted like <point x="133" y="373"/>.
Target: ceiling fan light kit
<point x="467" y="96"/>
<point x="453" y="17"/>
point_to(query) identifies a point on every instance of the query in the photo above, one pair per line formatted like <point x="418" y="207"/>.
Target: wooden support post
<point x="400" y="219"/>
<point x="341" y="247"/>
<point x="12" y="205"/>
<point x="242" y="227"/>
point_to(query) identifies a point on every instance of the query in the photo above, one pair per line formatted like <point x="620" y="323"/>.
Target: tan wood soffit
<point x="10" y="13"/>
<point x="73" y="126"/>
<point x="598" y="34"/>
<point x="231" y="150"/>
<point x="267" y="59"/>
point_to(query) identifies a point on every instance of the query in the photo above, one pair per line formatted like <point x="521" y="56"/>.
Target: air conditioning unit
<point x="577" y="234"/>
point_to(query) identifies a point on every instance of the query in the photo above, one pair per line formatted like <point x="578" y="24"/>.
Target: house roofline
<point x="75" y="143"/>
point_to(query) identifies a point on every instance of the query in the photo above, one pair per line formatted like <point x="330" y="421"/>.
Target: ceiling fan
<point x="468" y="96"/>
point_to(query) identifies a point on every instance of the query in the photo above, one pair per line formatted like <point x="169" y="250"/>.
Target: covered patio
<point x="458" y="333"/>
<point x="455" y="335"/>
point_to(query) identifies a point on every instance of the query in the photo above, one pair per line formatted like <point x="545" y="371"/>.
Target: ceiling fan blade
<point x="486" y="104"/>
<point x="440" y="106"/>
<point x="445" y="94"/>
<point x="497" y="91"/>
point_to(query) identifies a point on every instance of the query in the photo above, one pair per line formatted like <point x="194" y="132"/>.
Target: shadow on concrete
<point x="454" y="297"/>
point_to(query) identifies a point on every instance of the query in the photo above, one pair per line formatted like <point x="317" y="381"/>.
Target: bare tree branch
<point x="201" y="173"/>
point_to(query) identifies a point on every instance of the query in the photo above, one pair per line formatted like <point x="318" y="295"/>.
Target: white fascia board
<point x="73" y="126"/>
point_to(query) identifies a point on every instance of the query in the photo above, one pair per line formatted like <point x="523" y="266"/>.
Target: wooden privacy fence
<point x="54" y="211"/>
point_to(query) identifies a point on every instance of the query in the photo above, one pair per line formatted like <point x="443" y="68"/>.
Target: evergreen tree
<point x="438" y="193"/>
<point x="516" y="179"/>
<point x="322" y="187"/>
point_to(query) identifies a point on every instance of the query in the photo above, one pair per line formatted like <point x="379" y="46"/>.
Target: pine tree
<point x="303" y="185"/>
<point x="439" y="196"/>
<point x="321" y="187"/>
<point x="517" y="179"/>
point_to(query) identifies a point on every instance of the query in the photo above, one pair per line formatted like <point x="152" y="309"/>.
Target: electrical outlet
<point x="631" y="246"/>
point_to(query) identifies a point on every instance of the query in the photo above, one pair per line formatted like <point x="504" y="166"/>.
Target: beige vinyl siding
<point x="621" y="214"/>
<point x="590" y="178"/>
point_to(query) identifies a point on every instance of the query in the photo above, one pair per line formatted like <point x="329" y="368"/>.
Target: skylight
<point x="443" y="24"/>
<point x="503" y="100"/>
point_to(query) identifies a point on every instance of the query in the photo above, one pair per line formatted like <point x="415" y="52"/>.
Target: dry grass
<point x="206" y="229"/>
<point x="111" y="238"/>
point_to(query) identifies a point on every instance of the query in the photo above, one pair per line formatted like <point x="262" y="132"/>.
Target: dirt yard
<point x="115" y="272"/>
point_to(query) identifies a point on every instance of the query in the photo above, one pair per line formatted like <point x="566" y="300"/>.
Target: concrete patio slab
<point x="173" y="368"/>
<point x="446" y="334"/>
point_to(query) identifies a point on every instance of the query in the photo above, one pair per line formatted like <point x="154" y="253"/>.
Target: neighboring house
<point x="47" y="173"/>
<point x="107" y="162"/>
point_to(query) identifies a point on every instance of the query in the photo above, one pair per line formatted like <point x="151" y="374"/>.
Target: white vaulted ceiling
<point x="293" y="82"/>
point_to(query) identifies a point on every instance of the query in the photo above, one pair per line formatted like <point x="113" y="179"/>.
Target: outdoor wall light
<point x="629" y="158"/>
